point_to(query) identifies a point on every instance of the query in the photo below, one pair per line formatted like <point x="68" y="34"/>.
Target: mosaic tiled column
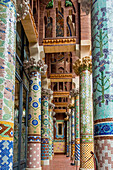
<point x="7" y="81"/>
<point x="50" y="134"/>
<point x="45" y="128"/>
<point x="67" y="138"/>
<point x="77" y="129"/>
<point x="69" y="131"/>
<point x="72" y="131"/>
<point x="34" y="122"/>
<point x="53" y="114"/>
<point x="54" y="122"/>
<point x="102" y="56"/>
<point x="83" y="67"/>
<point x="51" y="106"/>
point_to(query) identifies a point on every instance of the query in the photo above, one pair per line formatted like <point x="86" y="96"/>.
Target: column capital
<point x="51" y="105"/>
<point x="67" y="118"/>
<point x="54" y="113"/>
<point x="34" y="65"/>
<point x="46" y="92"/>
<point x="85" y="6"/>
<point x="71" y="106"/>
<point x="54" y="119"/>
<point x="74" y="92"/>
<point x="82" y="65"/>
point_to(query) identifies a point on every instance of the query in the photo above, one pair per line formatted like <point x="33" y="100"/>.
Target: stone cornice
<point x="59" y="41"/>
<point x="82" y="65"/>
<point x="55" y="76"/>
<point x="33" y="65"/>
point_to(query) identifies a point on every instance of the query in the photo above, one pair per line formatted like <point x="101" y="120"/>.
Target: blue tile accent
<point x="6" y="155"/>
<point x="103" y="129"/>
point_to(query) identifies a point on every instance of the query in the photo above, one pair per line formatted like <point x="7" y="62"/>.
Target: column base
<point x="67" y="156"/>
<point x="77" y="163"/>
<point x="86" y="169"/>
<point x="50" y="158"/>
<point x="34" y="168"/>
<point x="44" y="162"/>
<point x="73" y="164"/>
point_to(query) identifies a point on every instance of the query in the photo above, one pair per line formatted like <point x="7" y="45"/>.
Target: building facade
<point x="55" y="85"/>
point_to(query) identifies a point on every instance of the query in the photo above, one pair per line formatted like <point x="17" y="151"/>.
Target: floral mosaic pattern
<point x="102" y="52"/>
<point x="7" y="81"/>
<point x="102" y="58"/>
<point x="59" y="147"/>
<point x="77" y="129"/>
<point x="45" y="129"/>
<point x="86" y="104"/>
<point x="86" y="120"/>
<point x="34" y="122"/>
<point x="34" y="117"/>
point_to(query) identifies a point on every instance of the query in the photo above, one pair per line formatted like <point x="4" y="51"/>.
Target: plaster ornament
<point x="85" y="6"/>
<point x="22" y="8"/>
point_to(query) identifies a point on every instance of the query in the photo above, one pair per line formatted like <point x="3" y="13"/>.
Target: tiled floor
<point x="60" y="162"/>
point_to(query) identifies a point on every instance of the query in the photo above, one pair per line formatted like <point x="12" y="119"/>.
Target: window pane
<point x="16" y="121"/>
<point x="60" y="129"/>
<point x="23" y="135"/>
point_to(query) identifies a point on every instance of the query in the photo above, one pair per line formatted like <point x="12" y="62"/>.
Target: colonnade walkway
<point x="60" y="162"/>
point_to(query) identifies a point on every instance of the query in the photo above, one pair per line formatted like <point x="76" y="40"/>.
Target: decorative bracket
<point x="22" y="8"/>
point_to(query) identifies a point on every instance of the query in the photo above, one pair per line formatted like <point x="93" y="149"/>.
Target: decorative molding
<point x="22" y="8"/>
<point x="60" y="94"/>
<point x="61" y="104"/>
<point x="56" y="76"/>
<point x="60" y="110"/>
<point x="59" y="41"/>
<point x="33" y="65"/>
<point x="82" y="65"/>
<point x="33" y="21"/>
<point x="85" y="6"/>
